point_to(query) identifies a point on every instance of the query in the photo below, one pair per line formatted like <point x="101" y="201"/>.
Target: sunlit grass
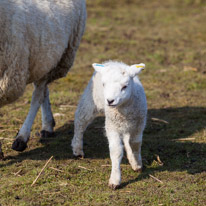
<point x="169" y="37"/>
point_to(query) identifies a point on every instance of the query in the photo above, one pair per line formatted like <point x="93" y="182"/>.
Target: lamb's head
<point x="117" y="81"/>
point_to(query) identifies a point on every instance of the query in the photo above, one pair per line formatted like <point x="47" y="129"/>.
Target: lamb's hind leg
<point x="84" y="115"/>
<point x="133" y="150"/>
<point x="48" y="122"/>
<point x="22" y="137"/>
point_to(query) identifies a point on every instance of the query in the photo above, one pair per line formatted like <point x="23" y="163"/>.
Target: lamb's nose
<point x="110" y="101"/>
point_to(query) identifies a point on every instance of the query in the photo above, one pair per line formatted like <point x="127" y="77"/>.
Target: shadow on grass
<point x="160" y="138"/>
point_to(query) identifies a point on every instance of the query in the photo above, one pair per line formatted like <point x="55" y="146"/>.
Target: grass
<point x="169" y="37"/>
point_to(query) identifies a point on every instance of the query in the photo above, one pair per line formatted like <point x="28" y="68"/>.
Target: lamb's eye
<point x="124" y="87"/>
<point x="103" y="84"/>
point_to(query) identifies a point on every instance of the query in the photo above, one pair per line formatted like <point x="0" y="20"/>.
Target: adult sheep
<point x="38" y="43"/>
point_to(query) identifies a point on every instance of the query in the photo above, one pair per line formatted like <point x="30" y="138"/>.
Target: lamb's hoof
<point x="1" y="155"/>
<point x="19" y="145"/>
<point x="46" y="134"/>
<point x="114" y="187"/>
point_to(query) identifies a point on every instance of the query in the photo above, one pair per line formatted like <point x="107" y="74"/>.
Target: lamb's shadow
<point x="160" y="138"/>
<point x="171" y="140"/>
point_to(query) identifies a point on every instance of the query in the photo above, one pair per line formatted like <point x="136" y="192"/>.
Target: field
<point x="170" y="38"/>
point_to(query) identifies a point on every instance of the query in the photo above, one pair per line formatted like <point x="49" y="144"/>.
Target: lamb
<point x="116" y="91"/>
<point x="38" y="43"/>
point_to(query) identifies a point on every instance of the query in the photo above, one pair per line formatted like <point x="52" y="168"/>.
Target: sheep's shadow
<point x="168" y="135"/>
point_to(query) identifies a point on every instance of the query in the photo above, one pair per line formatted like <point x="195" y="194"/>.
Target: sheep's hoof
<point x="19" y="145"/>
<point x="46" y="134"/>
<point x="114" y="187"/>
<point x="78" y="156"/>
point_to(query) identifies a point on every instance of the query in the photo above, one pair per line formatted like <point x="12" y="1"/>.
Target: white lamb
<point x="38" y="43"/>
<point x="115" y="90"/>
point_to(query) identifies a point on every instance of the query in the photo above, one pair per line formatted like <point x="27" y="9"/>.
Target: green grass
<point x="169" y="37"/>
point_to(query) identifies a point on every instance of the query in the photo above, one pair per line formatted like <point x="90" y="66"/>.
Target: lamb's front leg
<point x="22" y="137"/>
<point x="116" y="153"/>
<point x="133" y="150"/>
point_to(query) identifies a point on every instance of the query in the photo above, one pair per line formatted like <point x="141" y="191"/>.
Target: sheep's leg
<point x="133" y="150"/>
<point x="84" y="115"/>
<point x="22" y="138"/>
<point x="48" y="122"/>
<point x="116" y="153"/>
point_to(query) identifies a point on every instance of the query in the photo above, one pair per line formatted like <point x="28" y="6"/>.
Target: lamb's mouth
<point x="112" y="105"/>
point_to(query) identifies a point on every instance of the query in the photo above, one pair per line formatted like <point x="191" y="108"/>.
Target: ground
<point x="169" y="37"/>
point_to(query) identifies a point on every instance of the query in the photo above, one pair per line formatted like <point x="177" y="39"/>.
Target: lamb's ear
<point x="135" y="69"/>
<point x="98" y="67"/>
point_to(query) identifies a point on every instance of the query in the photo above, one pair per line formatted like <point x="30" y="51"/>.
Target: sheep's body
<point x="124" y="121"/>
<point x="38" y="43"/>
